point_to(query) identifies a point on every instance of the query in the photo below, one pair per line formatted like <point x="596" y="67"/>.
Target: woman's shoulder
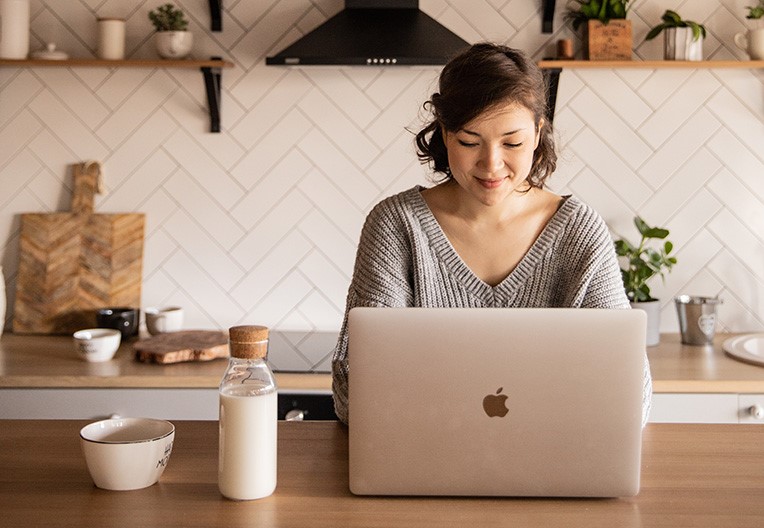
<point x="579" y="219"/>
<point x="398" y="206"/>
<point x="578" y="212"/>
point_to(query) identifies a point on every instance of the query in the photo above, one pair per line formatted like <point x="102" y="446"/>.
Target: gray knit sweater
<point x="405" y="259"/>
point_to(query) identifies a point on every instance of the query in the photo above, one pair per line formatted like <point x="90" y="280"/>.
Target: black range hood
<point x="374" y="33"/>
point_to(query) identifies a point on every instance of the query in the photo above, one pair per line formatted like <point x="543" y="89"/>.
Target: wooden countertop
<point x="692" y="475"/>
<point x="679" y="368"/>
<point x="50" y="362"/>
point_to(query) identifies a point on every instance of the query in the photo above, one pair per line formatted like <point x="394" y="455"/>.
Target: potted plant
<point x="173" y="40"/>
<point x="640" y="263"/>
<point x="755" y="12"/>
<point x="683" y="39"/>
<point x="752" y="42"/>
<point x="607" y="33"/>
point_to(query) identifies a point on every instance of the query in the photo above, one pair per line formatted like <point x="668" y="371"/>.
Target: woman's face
<point x="492" y="155"/>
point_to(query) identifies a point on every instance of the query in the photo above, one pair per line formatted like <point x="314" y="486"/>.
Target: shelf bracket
<point x="216" y="20"/>
<point x="552" y="78"/>
<point x="212" y="78"/>
<point x="548" y="18"/>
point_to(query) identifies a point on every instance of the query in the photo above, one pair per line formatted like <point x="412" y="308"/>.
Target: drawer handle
<point x="756" y="411"/>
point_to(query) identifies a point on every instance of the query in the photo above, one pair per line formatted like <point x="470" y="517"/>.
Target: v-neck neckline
<point x="519" y="275"/>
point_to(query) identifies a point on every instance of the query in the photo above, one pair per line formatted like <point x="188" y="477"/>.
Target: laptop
<point x="540" y="402"/>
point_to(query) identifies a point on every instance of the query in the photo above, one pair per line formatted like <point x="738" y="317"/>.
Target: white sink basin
<point x="748" y="348"/>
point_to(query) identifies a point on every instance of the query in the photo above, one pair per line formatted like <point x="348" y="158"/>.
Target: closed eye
<point x="467" y="143"/>
<point x="513" y="145"/>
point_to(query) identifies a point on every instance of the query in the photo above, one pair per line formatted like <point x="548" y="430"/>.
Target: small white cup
<point x="164" y="320"/>
<point x="752" y="42"/>
<point x="97" y="344"/>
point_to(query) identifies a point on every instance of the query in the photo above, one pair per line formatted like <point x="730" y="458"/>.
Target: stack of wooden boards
<point x="72" y="263"/>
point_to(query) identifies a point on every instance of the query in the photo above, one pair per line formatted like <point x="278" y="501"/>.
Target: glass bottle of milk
<point x="248" y="418"/>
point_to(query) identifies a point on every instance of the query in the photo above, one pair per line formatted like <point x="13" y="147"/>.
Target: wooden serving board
<point x="72" y="263"/>
<point x="186" y="345"/>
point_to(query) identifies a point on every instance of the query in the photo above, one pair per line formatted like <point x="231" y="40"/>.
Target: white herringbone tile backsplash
<point x="258" y="224"/>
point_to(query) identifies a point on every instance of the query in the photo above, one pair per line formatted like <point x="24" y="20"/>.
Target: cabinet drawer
<point x="694" y="408"/>
<point x="708" y="408"/>
<point x="751" y="408"/>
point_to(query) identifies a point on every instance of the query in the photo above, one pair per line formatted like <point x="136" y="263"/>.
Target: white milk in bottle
<point x="248" y="418"/>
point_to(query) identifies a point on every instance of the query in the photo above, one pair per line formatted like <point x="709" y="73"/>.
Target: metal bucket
<point x="697" y="318"/>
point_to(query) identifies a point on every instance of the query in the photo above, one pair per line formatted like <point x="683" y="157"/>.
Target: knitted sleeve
<point x="382" y="277"/>
<point x="605" y="290"/>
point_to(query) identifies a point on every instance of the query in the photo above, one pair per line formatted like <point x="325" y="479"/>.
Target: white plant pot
<point x="679" y="45"/>
<point x="653" y="310"/>
<point x="174" y="44"/>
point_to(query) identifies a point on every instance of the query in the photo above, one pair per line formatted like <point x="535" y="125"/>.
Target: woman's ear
<point x="539" y="126"/>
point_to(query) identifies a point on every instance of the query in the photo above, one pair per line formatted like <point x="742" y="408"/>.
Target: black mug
<point x="124" y="319"/>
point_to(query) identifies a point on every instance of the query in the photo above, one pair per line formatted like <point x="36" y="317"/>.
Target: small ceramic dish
<point x="127" y="453"/>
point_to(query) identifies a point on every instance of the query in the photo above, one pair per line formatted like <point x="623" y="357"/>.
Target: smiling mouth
<point x="490" y="184"/>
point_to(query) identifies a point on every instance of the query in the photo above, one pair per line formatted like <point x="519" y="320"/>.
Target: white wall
<point x="259" y="223"/>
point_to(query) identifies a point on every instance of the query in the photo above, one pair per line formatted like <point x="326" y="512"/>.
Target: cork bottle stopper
<point x="248" y="342"/>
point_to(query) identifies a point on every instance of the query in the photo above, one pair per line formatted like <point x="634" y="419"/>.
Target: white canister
<point x="111" y="38"/>
<point x="14" y="29"/>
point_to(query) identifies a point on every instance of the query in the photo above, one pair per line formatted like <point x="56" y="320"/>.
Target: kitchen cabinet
<point x="707" y="408"/>
<point x="41" y="377"/>
<point x="211" y="71"/>
<point x="703" y="385"/>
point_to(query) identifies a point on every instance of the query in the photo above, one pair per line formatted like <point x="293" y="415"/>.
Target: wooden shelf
<point x="210" y="69"/>
<point x="128" y="63"/>
<point x="652" y="64"/>
<point x="553" y="68"/>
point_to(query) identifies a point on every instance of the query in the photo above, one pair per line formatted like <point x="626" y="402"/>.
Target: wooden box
<point x="611" y="41"/>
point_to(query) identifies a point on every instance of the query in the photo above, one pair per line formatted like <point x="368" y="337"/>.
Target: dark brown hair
<point x="480" y="79"/>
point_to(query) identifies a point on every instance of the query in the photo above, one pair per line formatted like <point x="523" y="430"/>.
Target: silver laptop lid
<point x="502" y="402"/>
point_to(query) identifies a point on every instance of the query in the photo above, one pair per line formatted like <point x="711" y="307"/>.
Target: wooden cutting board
<point x="186" y="345"/>
<point x="72" y="263"/>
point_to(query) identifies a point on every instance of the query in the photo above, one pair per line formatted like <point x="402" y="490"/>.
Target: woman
<point x="488" y="234"/>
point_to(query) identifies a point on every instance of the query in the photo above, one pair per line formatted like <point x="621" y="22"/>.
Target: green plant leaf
<point x="623" y="248"/>
<point x="655" y="31"/>
<point x="644" y="262"/>
<point x="642" y="226"/>
<point x="656" y="232"/>
<point x="671" y="17"/>
<point x="696" y="30"/>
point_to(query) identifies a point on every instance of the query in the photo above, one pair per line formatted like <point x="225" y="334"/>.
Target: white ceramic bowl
<point x="97" y="344"/>
<point x="163" y="320"/>
<point x="127" y="453"/>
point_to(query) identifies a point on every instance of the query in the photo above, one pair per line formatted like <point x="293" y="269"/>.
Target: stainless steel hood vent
<point x="374" y="33"/>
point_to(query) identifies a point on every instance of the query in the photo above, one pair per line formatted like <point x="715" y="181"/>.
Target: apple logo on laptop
<point x="495" y="404"/>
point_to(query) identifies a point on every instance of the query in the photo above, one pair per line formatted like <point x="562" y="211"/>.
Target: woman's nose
<point x="491" y="159"/>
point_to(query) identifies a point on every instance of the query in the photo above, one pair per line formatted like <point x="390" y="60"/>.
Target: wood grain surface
<point x="611" y="41"/>
<point x="185" y="345"/>
<point x="692" y="476"/>
<point x="72" y="263"/>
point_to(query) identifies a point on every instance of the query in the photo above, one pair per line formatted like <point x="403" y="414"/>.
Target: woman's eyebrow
<point x="473" y="133"/>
